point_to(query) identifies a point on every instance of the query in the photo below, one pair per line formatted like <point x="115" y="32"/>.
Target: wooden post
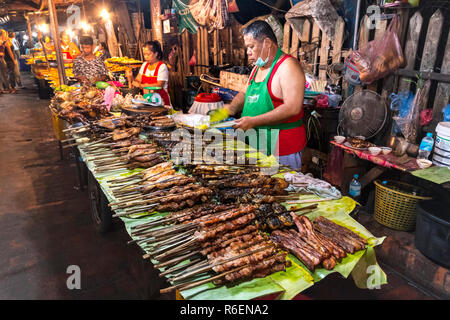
<point x="205" y="50"/>
<point x="230" y="46"/>
<point x="286" y="37"/>
<point x="198" y="49"/>
<point x="294" y="44"/>
<point x="337" y="43"/>
<point x="430" y="49"/>
<point x="155" y="9"/>
<point x="404" y="19"/>
<point x="443" y="89"/>
<point x="324" y="50"/>
<point x="315" y="40"/>
<point x="306" y="32"/>
<point x="30" y="34"/>
<point x="412" y="44"/>
<point x="216" y="47"/>
<point x="113" y="45"/>
<point x="55" y="34"/>
<point x="379" y="32"/>
<point x="363" y="40"/>
<point x="185" y="54"/>
<point x="125" y="21"/>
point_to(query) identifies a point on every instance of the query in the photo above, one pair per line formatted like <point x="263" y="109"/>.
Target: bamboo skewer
<point x="168" y="247"/>
<point x="97" y="141"/>
<point x="173" y="258"/>
<point x="202" y="263"/>
<point x="128" y="199"/>
<point x="141" y="209"/>
<point x="189" y="285"/>
<point x="185" y="266"/>
<point x="183" y="256"/>
<point x="171" y="229"/>
<point x="156" y="183"/>
<point x="152" y="240"/>
<point x="176" y="260"/>
<point x="169" y="241"/>
<point x="120" y="187"/>
<point x="313" y="206"/>
<point x="159" y="222"/>
<point x="308" y="201"/>
<point x="110" y="168"/>
<point x="94" y="123"/>
<point x="210" y="267"/>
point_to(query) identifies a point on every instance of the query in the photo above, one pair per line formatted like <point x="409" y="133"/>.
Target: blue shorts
<point x="293" y="160"/>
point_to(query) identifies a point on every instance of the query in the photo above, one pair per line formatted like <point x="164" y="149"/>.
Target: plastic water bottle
<point x="355" y="188"/>
<point x="426" y="146"/>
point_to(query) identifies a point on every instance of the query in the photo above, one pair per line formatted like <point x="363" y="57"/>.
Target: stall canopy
<point x="12" y="11"/>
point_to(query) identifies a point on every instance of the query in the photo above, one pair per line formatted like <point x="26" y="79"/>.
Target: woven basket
<point x="394" y="208"/>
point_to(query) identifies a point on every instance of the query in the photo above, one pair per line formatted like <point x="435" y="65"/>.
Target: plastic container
<point x="355" y="188"/>
<point x="426" y="146"/>
<point x="58" y="127"/>
<point x="433" y="230"/>
<point x="395" y="204"/>
<point x="441" y="154"/>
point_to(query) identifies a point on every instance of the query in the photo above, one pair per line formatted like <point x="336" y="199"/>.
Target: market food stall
<point x="219" y="230"/>
<point x="202" y="223"/>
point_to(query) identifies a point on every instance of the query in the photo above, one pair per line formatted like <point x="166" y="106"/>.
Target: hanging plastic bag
<point x="109" y="97"/>
<point x="351" y="73"/>
<point x="446" y="113"/>
<point x="380" y="57"/>
<point x="401" y="103"/>
<point x="410" y="124"/>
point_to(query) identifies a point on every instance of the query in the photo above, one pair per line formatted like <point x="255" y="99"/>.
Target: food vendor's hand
<point x="244" y="123"/>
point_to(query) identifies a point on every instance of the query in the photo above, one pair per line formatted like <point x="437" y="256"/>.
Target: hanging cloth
<point x="185" y="18"/>
<point x="210" y="13"/>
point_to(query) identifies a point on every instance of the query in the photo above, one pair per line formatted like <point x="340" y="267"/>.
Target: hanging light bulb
<point x="85" y="26"/>
<point x="70" y="33"/>
<point x="43" y="28"/>
<point x="105" y="14"/>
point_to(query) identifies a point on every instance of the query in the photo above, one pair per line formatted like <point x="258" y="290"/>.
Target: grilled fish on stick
<point x="124" y="134"/>
<point x="261" y="269"/>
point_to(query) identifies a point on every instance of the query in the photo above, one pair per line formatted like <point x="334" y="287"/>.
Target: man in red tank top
<point x="279" y="82"/>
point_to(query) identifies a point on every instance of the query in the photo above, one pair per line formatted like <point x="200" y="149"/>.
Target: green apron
<point x="257" y="102"/>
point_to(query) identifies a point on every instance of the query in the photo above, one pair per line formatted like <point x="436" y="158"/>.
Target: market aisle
<point x="45" y="224"/>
